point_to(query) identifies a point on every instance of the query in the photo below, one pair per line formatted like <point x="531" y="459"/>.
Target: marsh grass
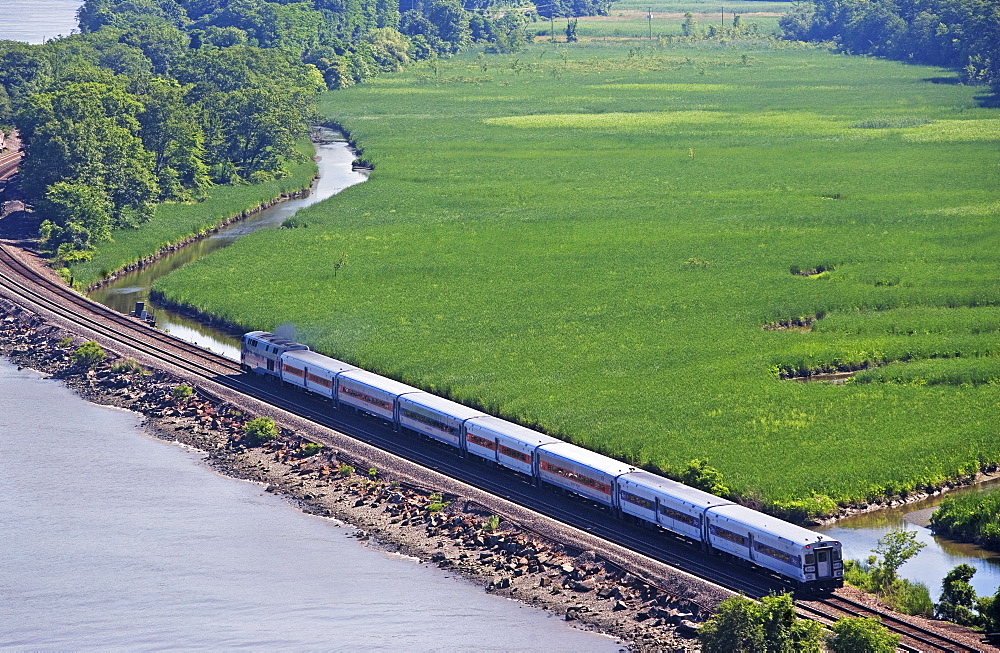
<point x="526" y="245"/>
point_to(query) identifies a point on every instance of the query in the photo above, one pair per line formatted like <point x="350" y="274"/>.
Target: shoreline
<point x="394" y="512"/>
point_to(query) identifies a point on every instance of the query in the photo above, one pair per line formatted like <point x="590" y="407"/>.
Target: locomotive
<point x="808" y="560"/>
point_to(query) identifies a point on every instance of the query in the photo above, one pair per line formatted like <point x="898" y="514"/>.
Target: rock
<point x="581" y="586"/>
<point x="568" y="568"/>
<point x="642" y="616"/>
<point x="678" y="617"/>
<point x="619" y="605"/>
<point x="687" y="628"/>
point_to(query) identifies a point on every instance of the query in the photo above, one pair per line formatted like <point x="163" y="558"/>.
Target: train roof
<point x="442" y="405"/>
<point x="674" y="489"/>
<point x="377" y="381"/>
<point x="272" y="339"/>
<point x="585" y="457"/>
<point x="772" y="525"/>
<point x="513" y="431"/>
<point x="315" y="359"/>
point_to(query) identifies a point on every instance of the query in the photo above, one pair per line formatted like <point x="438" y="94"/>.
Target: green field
<point x="592" y="239"/>
<point x="174" y="221"/>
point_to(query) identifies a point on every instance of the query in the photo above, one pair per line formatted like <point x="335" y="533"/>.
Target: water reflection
<point x="860" y="534"/>
<point x="335" y="174"/>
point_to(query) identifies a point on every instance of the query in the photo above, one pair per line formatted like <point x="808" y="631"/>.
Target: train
<point x="808" y="561"/>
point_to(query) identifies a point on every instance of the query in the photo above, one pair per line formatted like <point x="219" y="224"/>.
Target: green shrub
<point x="346" y="471"/>
<point x="89" y="354"/>
<point x="182" y="392"/>
<point x="698" y="474"/>
<point x="861" y="635"/>
<point x="741" y="624"/>
<point x="309" y="449"/>
<point x="126" y="366"/>
<point x="260" y="430"/>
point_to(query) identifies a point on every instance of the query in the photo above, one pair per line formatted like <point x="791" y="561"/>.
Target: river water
<point x="34" y="21"/>
<point x="860" y="534"/>
<point x="117" y="540"/>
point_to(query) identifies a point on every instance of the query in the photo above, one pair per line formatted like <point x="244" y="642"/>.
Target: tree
<point x="989" y="612"/>
<point x="690" y="26"/>
<point x="958" y="598"/>
<point x="76" y="214"/>
<point x="744" y="626"/>
<point x="861" y="635"/>
<point x="896" y="548"/>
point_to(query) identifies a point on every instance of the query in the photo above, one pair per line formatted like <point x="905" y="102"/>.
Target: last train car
<point x="813" y="561"/>
<point x="260" y="352"/>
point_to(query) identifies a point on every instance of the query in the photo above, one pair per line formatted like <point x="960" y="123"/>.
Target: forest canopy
<point x="960" y="34"/>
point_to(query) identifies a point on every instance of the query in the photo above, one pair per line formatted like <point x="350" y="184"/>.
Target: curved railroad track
<point x="914" y="637"/>
<point x="19" y="280"/>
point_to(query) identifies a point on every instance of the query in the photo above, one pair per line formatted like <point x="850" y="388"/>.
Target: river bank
<point x="509" y="560"/>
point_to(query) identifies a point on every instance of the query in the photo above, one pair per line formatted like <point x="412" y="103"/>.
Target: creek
<point x="860" y="534"/>
<point x="334" y="160"/>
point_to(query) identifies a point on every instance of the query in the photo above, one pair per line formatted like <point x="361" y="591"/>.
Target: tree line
<point x="959" y="34"/>
<point x="158" y="100"/>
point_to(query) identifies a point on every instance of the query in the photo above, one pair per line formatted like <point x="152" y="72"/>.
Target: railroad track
<point x="24" y="282"/>
<point x="9" y="163"/>
<point x="914" y="637"/>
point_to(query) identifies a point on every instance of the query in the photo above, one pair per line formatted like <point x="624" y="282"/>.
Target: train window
<point x="735" y="538"/>
<point x="515" y="454"/>
<point x="810" y="559"/>
<point x="637" y="500"/>
<point x="821" y="555"/>
<point x="836" y="554"/>
<point x="777" y="554"/>
<point x="676" y="515"/>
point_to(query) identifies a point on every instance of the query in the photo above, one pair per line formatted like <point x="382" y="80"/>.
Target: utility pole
<point x="723" y="12"/>
<point x="649" y="19"/>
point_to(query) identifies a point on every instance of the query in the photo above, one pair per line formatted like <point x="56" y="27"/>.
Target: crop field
<point x="630" y="245"/>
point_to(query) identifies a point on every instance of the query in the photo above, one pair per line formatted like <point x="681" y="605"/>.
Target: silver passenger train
<point x="811" y="561"/>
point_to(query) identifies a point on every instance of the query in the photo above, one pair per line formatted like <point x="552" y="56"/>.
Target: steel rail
<point x="914" y="632"/>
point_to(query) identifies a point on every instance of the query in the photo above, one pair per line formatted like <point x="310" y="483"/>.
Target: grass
<point x="174" y="222"/>
<point x="971" y="517"/>
<point x="590" y="240"/>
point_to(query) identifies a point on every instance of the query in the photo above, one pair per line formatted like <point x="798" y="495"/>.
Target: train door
<point x="270" y="365"/>
<point x="824" y="563"/>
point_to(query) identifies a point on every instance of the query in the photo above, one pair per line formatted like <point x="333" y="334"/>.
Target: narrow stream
<point x="860" y="534"/>
<point x="335" y="174"/>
